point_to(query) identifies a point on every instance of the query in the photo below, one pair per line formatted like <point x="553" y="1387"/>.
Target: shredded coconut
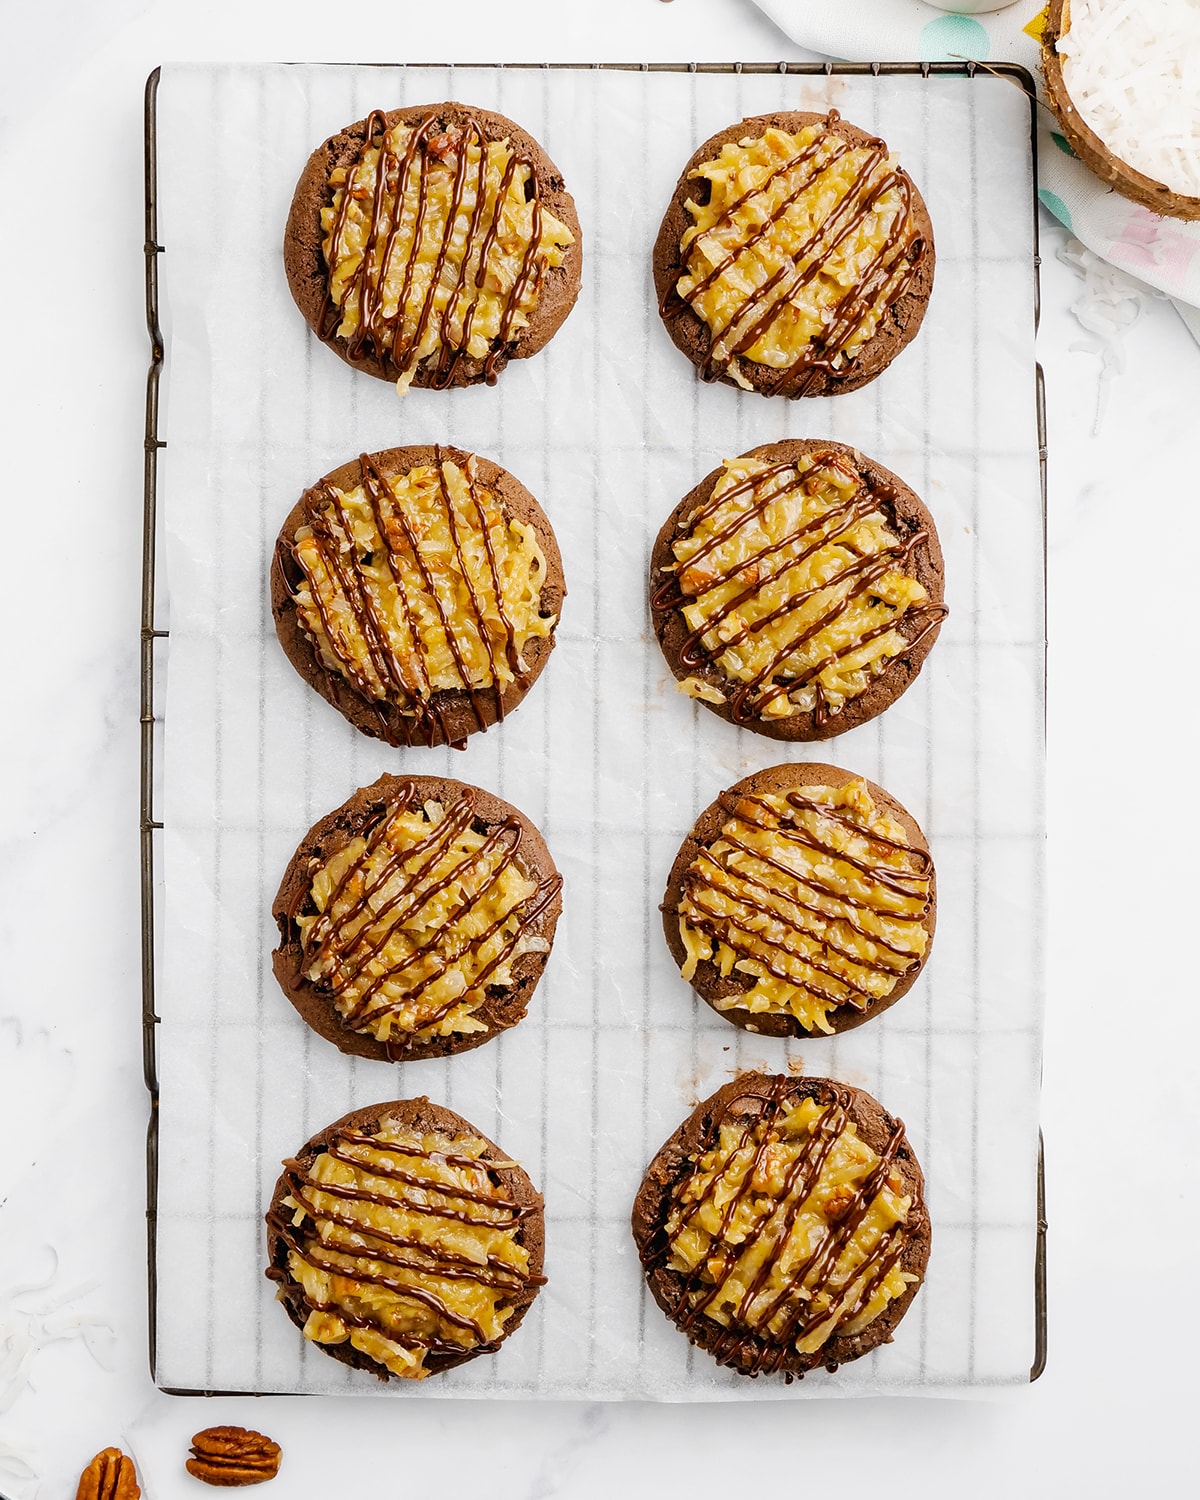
<point x="1109" y="304"/>
<point x="17" y="1474"/>
<point x="1132" y="69"/>
<point x="28" y="1323"/>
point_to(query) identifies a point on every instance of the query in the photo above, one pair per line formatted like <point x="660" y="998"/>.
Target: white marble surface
<point x="1112" y="1414"/>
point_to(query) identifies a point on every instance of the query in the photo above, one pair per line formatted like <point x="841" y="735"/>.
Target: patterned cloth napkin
<point x="1164" y="253"/>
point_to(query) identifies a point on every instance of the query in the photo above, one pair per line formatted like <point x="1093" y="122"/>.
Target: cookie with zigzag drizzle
<point x="783" y="1226"/>
<point x="795" y="258"/>
<point x="417" y="590"/>
<point x="416" y="919"/>
<point x="803" y="901"/>
<point x="403" y="1242"/>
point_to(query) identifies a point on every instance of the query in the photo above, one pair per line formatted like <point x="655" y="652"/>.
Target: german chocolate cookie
<point x="796" y="257"/>
<point x="417" y="591"/>
<point x="798" y="589"/>
<point x="416" y="919"/>
<point x="403" y="1241"/>
<point x="460" y="252"/>
<point x="802" y="902"/>
<point x="783" y="1225"/>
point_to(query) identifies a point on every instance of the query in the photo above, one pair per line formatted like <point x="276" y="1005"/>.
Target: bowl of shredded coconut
<point x="1123" y="80"/>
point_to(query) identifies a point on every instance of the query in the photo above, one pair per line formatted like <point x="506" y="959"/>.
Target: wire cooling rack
<point x="695" y="1046"/>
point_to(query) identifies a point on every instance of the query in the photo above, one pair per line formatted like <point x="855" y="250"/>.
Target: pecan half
<point x="838" y="1203"/>
<point x="445" y="144"/>
<point x="109" y="1476"/>
<point x="233" y="1456"/>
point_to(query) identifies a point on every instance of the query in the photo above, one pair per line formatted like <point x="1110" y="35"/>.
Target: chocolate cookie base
<point x="418" y="1114"/>
<point x="695" y="1136"/>
<point x="906" y="514"/>
<point x="452" y="715"/>
<point x="307" y="273"/>
<point x="503" y="1006"/>
<point x="708" y="981"/>
<point x="690" y="333"/>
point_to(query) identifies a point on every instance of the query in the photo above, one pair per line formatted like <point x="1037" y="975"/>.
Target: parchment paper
<point x="608" y="427"/>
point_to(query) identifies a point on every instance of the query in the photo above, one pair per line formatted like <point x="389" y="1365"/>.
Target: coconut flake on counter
<point x="26" y="1330"/>
<point x="17" y="1474"/>
<point x="1109" y="304"/>
<point x="1132" y="69"/>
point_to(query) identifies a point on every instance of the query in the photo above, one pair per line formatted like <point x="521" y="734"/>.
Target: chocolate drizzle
<point x="369" y="1255"/>
<point x="402" y="196"/>
<point x="853" y="583"/>
<point x="880" y="285"/>
<point x="345" y="943"/>
<point x="763" y="1333"/>
<point x="765" y="893"/>
<point x="352" y="611"/>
